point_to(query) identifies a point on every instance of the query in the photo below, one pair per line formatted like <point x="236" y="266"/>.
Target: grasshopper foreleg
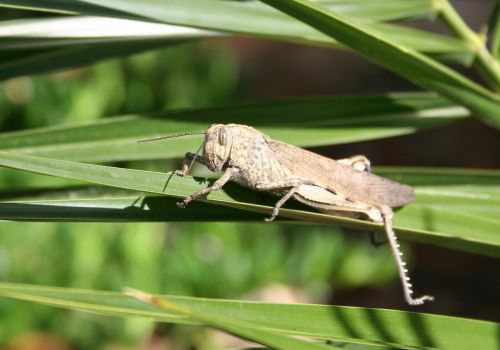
<point x="189" y="158"/>
<point x="226" y="176"/>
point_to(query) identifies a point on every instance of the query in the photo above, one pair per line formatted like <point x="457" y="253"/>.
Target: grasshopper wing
<point x="340" y="179"/>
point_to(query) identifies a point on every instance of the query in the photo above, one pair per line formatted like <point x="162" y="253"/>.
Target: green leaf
<point x="256" y="19"/>
<point x="404" y="61"/>
<point x="232" y="325"/>
<point x="455" y="215"/>
<point x="458" y="203"/>
<point x="494" y="29"/>
<point x="75" y="30"/>
<point x="31" y="36"/>
<point x="388" y="10"/>
<point x="124" y="206"/>
<point x="330" y="120"/>
<point x="69" y="31"/>
<point x="43" y="45"/>
<point x="339" y="324"/>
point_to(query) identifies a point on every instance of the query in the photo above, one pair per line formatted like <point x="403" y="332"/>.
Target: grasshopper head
<point x="218" y="143"/>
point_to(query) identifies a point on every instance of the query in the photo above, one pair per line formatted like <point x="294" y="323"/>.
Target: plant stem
<point x="486" y="63"/>
<point x="494" y="30"/>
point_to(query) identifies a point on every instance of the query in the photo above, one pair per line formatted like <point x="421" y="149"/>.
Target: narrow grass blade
<point x="494" y="30"/>
<point x="76" y="30"/>
<point x="232" y="325"/>
<point x="241" y="18"/>
<point x="350" y="324"/>
<point x="463" y="223"/>
<point x="330" y="120"/>
<point x="388" y="10"/>
<point x="256" y="19"/>
<point x="116" y="208"/>
<point x="408" y="63"/>
<point x="48" y="44"/>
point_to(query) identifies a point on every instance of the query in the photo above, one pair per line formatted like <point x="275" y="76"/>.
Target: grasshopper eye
<point x="222" y="137"/>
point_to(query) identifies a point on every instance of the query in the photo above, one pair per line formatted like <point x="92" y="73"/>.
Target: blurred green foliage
<point x="210" y="260"/>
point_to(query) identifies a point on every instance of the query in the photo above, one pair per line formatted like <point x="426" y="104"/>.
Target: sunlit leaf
<point x="338" y="324"/>
<point x="330" y="120"/>
<point x="31" y="37"/>
<point x="404" y="61"/>
<point x="445" y="213"/>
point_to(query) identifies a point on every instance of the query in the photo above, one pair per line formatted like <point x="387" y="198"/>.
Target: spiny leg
<point x="387" y="215"/>
<point x="280" y="203"/>
<point x="382" y="215"/>
<point x="226" y="176"/>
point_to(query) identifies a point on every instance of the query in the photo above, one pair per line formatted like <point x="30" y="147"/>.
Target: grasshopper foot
<point x="375" y="241"/>
<point x="183" y="203"/>
<point x="180" y="172"/>
<point x="273" y="215"/>
<point x="421" y="300"/>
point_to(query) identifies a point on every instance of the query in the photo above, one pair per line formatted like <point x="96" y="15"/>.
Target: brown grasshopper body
<point x="343" y="187"/>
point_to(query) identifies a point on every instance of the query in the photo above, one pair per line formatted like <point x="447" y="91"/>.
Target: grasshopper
<point x="343" y="187"/>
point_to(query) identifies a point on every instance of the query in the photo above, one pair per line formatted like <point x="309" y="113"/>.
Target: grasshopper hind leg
<point x="380" y="214"/>
<point x="359" y="163"/>
<point x="387" y="215"/>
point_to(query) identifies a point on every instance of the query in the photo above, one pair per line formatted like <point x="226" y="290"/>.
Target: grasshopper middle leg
<point x="293" y="185"/>
<point x="280" y="203"/>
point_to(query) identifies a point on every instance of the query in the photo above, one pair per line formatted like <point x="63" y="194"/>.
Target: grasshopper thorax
<point x="217" y="146"/>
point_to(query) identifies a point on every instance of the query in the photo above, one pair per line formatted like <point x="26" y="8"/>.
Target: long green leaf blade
<point x="43" y="45"/>
<point x="350" y="324"/>
<point x="424" y="219"/>
<point x="408" y="63"/>
<point x="23" y="43"/>
<point x="230" y="324"/>
<point x="76" y="30"/>
<point x="123" y="209"/>
<point x="256" y="19"/>
<point x="388" y="10"/>
<point x="330" y="120"/>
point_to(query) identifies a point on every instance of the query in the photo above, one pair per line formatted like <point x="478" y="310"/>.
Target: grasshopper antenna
<point x="179" y="135"/>
<point x="196" y="156"/>
<point x="174" y="136"/>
